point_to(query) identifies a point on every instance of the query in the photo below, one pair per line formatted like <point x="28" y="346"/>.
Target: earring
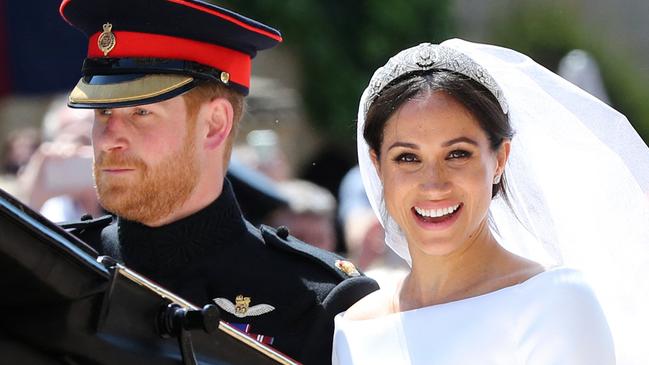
<point x="497" y="179"/>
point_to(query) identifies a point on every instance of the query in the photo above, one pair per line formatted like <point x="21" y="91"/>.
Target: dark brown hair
<point x="479" y="101"/>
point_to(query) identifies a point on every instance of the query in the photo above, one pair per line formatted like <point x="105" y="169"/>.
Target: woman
<point x="492" y="176"/>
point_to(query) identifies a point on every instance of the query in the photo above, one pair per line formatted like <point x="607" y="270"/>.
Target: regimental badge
<point x="225" y="77"/>
<point x="347" y="267"/>
<point x="241" y="307"/>
<point x="106" y="41"/>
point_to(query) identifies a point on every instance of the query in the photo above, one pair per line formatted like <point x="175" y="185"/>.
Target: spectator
<point x="17" y="150"/>
<point x="309" y="215"/>
<point x="57" y="181"/>
<point x="364" y="234"/>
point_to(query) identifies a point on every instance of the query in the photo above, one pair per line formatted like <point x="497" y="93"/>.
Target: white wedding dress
<point x="552" y="318"/>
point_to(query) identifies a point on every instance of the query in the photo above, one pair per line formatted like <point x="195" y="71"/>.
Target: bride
<point x="512" y="194"/>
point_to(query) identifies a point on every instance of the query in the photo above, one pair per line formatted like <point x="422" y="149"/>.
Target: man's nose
<point x="110" y="134"/>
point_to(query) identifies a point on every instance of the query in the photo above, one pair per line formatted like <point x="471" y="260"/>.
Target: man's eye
<point x="457" y="154"/>
<point x="406" y="157"/>
<point x="142" y="112"/>
<point x="105" y="112"/>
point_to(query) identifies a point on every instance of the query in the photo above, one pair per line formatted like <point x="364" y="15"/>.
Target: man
<point x="166" y="79"/>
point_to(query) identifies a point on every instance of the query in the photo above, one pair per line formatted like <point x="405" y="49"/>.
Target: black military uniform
<point x="281" y="291"/>
<point x="277" y="289"/>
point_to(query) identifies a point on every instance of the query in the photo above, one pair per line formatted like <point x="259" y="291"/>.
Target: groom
<point x="167" y="81"/>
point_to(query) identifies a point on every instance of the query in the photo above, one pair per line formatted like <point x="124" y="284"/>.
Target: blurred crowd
<point x="51" y="170"/>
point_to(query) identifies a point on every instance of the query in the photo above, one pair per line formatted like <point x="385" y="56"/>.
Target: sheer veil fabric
<point x="577" y="176"/>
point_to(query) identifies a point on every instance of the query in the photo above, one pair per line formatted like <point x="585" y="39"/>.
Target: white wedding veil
<point x="577" y="176"/>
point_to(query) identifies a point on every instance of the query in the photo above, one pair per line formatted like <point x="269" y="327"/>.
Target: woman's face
<point x="437" y="169"/>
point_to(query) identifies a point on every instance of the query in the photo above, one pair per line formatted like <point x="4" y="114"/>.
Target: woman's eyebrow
<point x="458" y="140"/>
<point x="403" y="144"/>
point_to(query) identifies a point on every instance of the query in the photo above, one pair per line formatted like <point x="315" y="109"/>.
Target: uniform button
<point x="282" y="232"/>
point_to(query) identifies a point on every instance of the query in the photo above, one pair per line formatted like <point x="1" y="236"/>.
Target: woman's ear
<point x="375" y="161"/>
<point x="219" y="119"/>
<point x="502" y="155"/>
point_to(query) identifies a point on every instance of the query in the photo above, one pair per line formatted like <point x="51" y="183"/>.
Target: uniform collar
<point x="158" y="249"/>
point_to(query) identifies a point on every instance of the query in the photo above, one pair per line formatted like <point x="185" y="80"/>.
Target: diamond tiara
<point x="428" y="56"/>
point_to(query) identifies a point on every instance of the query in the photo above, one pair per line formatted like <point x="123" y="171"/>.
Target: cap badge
<point x="225" y="77"/>
<point x="241" y="307"/>
<point x="347" y="267"/>
<point x="106" y="41"/>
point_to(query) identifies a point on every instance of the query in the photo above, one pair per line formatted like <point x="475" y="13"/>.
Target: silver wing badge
<point x="241" y="307"/>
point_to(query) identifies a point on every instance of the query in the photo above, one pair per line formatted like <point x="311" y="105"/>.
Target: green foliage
<point x="340" y="43"/>
<point x="546" y="33"/>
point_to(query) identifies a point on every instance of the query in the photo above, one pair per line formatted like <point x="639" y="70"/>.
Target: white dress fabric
<point x="552" y="318"/>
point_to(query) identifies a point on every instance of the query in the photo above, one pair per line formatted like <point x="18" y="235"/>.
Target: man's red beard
<point x="150" y="193"/>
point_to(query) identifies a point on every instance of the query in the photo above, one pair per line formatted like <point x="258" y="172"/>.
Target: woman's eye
<point x="406" y="157"/>
<point x="457" y="154"/>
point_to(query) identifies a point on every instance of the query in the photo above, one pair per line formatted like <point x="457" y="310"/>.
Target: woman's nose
<point x="434" y="177"/>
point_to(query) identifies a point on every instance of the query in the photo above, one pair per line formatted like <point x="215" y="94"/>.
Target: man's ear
<point x="218" y="122"/>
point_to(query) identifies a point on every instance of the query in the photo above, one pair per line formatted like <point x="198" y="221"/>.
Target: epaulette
<point x="89" y="229"/>
<point x="280" y="239"/>
<point x="87" y="222"/>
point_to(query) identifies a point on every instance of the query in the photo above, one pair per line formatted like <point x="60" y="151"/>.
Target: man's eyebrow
<point x="403" y="144"/>
<point x="458" y="140"/>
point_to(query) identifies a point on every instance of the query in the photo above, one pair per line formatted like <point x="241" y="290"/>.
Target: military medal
<point x="106" y="41"/>
<point x="241" y="308"/>
<point x="247" y="329"/>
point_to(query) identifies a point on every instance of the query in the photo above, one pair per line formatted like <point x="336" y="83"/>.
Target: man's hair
<point x="208" y="90"/>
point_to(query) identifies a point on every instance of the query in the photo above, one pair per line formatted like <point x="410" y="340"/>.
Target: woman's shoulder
<point x="563" y="320"/>
<point x="558" y="281"/>
<point x="560" y="293"/>
<point x="374" y="305"/>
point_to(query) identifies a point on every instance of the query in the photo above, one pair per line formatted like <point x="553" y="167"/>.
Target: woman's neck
<point x="459" y="275"/>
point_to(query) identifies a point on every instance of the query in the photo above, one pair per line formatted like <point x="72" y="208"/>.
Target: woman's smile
<point x="437" y="218"/>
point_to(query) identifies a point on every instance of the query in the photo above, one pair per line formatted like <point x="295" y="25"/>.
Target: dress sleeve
<point x="563" y="323"/>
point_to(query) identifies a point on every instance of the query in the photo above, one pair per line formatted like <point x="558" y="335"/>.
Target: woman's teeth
<point x="435" y="213"/>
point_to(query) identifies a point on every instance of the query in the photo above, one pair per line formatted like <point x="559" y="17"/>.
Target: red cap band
<point x="146" y="45"/>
